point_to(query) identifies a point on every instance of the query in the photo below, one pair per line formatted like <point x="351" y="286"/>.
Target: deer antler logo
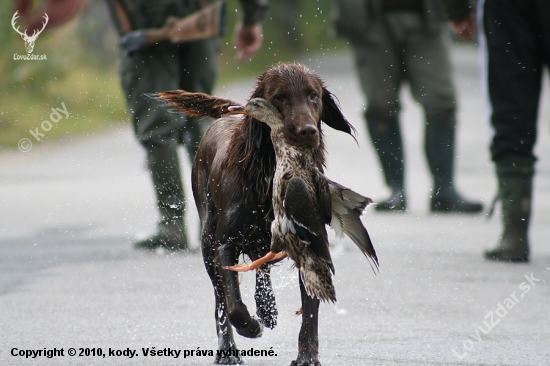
<point x="29" y="40"/>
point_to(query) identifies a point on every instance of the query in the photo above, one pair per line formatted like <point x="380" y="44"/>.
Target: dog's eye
<point x="313" y="96"/>
<point x="280" y="98"/>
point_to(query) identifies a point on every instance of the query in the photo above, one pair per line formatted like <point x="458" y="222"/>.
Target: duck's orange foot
<point x="240" y="268"/>
<point x="270" y="256"/>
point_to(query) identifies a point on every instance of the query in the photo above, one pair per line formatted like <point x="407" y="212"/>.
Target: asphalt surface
<point x="69" y="277"/>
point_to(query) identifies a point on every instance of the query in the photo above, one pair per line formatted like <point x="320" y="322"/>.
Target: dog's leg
<point x="266" y="308"/>
<point x="227" y="353"/>
<point x="308" y="340"/>
<point x="240" y="318"/>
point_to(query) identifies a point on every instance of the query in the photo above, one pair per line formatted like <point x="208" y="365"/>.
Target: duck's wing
<point x="347" y="207"/>
<point x="195" y="104"/>
<point x="300" y="209"/>
<point x="324" y="196"/>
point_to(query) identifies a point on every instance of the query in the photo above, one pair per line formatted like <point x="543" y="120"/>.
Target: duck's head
<point x="260" y="109"/>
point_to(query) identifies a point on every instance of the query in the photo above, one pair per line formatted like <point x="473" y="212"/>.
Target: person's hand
<point x="248" y="40"/>
<point x="167" y="27"/>
<point x="466" y="28"/>
<point x="156" y="35"/>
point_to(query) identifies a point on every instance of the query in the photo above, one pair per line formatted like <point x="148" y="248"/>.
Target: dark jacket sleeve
<point x="457" y="10"/>
<point x="254" y="11"/>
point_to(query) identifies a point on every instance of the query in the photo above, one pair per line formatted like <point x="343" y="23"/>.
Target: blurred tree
<point x="78" y="70"/>
<point x="81" y="61"/>
<point x="98" y="35"/>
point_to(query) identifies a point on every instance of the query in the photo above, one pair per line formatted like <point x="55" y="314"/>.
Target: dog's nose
<point x="307" y="131"/>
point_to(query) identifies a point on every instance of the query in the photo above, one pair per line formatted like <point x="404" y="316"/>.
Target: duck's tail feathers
<point x="317" y="279"/>
<point x="347" y="207"/>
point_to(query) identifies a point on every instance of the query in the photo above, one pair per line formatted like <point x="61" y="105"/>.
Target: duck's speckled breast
<point x="291" y="161"/>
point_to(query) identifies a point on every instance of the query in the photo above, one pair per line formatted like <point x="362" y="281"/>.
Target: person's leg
<point x="515" y="44"/>
<point x="429" y="73"/>
<point x="165" y="169"/>
<point x="151" y="71"/>
<point x="198" y="72"/>
<point x="515" y="187"/>
<point x="379" y="72"/>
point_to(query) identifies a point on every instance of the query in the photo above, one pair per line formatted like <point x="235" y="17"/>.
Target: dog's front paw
<point x="305" y="361"/>
<point x="266" y="310"/>
<point x="254" y="329"/>
<point x="228" y="357"/>
<point x="267" y="319"/>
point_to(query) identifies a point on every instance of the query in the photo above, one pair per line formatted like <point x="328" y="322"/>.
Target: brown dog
<point x="232" y="186"/>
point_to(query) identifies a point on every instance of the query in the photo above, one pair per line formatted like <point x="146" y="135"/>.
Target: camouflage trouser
<point x="400" y="49"/>
<point x="190" y="66"/>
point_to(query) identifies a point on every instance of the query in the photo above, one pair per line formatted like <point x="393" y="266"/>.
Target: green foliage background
<point x="80" y="70"/>
<point x="291" y="29"/>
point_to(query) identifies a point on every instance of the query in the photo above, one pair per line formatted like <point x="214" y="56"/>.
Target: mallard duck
<point x="304" y="201"/>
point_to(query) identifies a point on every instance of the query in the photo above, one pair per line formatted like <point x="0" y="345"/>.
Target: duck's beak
<point x="236" y="109"/>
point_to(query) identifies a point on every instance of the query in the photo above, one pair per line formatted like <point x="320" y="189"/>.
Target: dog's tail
<point x="195" y="104"/>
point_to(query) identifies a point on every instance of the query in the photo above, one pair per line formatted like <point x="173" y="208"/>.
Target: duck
<point x="304" y="202"/>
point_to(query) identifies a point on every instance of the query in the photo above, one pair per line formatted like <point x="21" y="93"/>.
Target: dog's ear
<point x="332" y="115"/>
<point x="259" y="90"/>
<point x="195" y="104"/>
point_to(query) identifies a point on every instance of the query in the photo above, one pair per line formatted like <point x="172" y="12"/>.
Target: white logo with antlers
<point x="29" y="40"/>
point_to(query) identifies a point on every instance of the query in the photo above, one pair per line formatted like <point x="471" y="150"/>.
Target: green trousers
<point x="189" y="66"/>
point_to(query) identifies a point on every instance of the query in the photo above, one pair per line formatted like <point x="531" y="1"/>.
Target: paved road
<point x="70" y="278"/>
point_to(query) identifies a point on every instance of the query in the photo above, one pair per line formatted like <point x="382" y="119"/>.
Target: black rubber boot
<point x="515" y="187"/>
<point x="440" y="146"/>
<point x="386" y="138"/>
<point x="163" y="163"/>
